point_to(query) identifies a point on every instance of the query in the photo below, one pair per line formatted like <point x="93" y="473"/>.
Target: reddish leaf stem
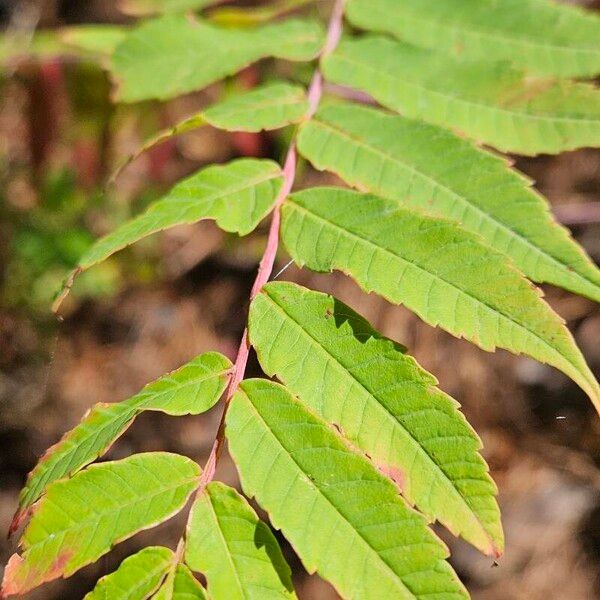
<point x="265" y="269"/>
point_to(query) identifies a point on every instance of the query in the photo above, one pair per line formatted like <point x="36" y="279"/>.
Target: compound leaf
<point x="181" y="585"/>
<point x="542" y="37"/>
<point x="236" y="552"/>
<point x="488" y="101"/>
<point x="383" y="402"/>
<point x="237" y="196"/>
<point x="80" y="519"/>
<point x="435" y="268"/>
<point x="193" y="389"/>
<point x="137" y="577"/>
<point x="345" y="520"/>
<point x="424" y="166"/>
<point x="172" y="55"/>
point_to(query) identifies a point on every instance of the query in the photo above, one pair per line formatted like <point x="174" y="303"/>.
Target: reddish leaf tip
<point x="9" y="584"/>
<point x="20" y="578"/>
<point x="19" y="518"/>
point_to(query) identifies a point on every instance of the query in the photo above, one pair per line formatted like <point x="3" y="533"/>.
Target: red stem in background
<point x="265" y="268"/>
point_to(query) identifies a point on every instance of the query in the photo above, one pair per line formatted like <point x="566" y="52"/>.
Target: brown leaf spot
<point x="395" y="474"/>
<point x="525" y="91"/>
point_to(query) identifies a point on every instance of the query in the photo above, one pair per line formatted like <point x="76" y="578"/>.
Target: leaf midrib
<point x="286" y="102"/>
<point x="450" y="284"/>
<point x="218" y="193"/>
<point x="392" y="418"/>
<point x="146" y="579"/>
<point x="140" y="582"/>
<point x="329" y="502"/>
<point x="149" y="395"/>
<point x="463" y="99"/>
<point x="213" y="197"/>
<point x="226" y="545"/>
<point x="95" y="515"/>
<point x="239" y="43"/>
<point x="71" y="450"/>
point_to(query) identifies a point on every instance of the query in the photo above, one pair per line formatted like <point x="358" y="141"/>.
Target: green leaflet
<point x="436" y="269"/>
<point x="193" y="389"/>
<point x="172" y="55"/>
<point x="181" y="585"/>
<point x="237" y="195"/>
<point x="80" y="519"/>
<point x="383" y="402"/>
<point x="427" y="167"/>
<point x="543" y="37"/>
<point x="136" y="578"/>
<point x="270" y="106"/>
<point x="490" y="102"/>
<point x="237" y="553"/>
<point x="345" y="520"/>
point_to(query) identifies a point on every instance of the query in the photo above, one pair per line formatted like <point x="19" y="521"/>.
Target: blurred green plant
<point x="46" y="240"/>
